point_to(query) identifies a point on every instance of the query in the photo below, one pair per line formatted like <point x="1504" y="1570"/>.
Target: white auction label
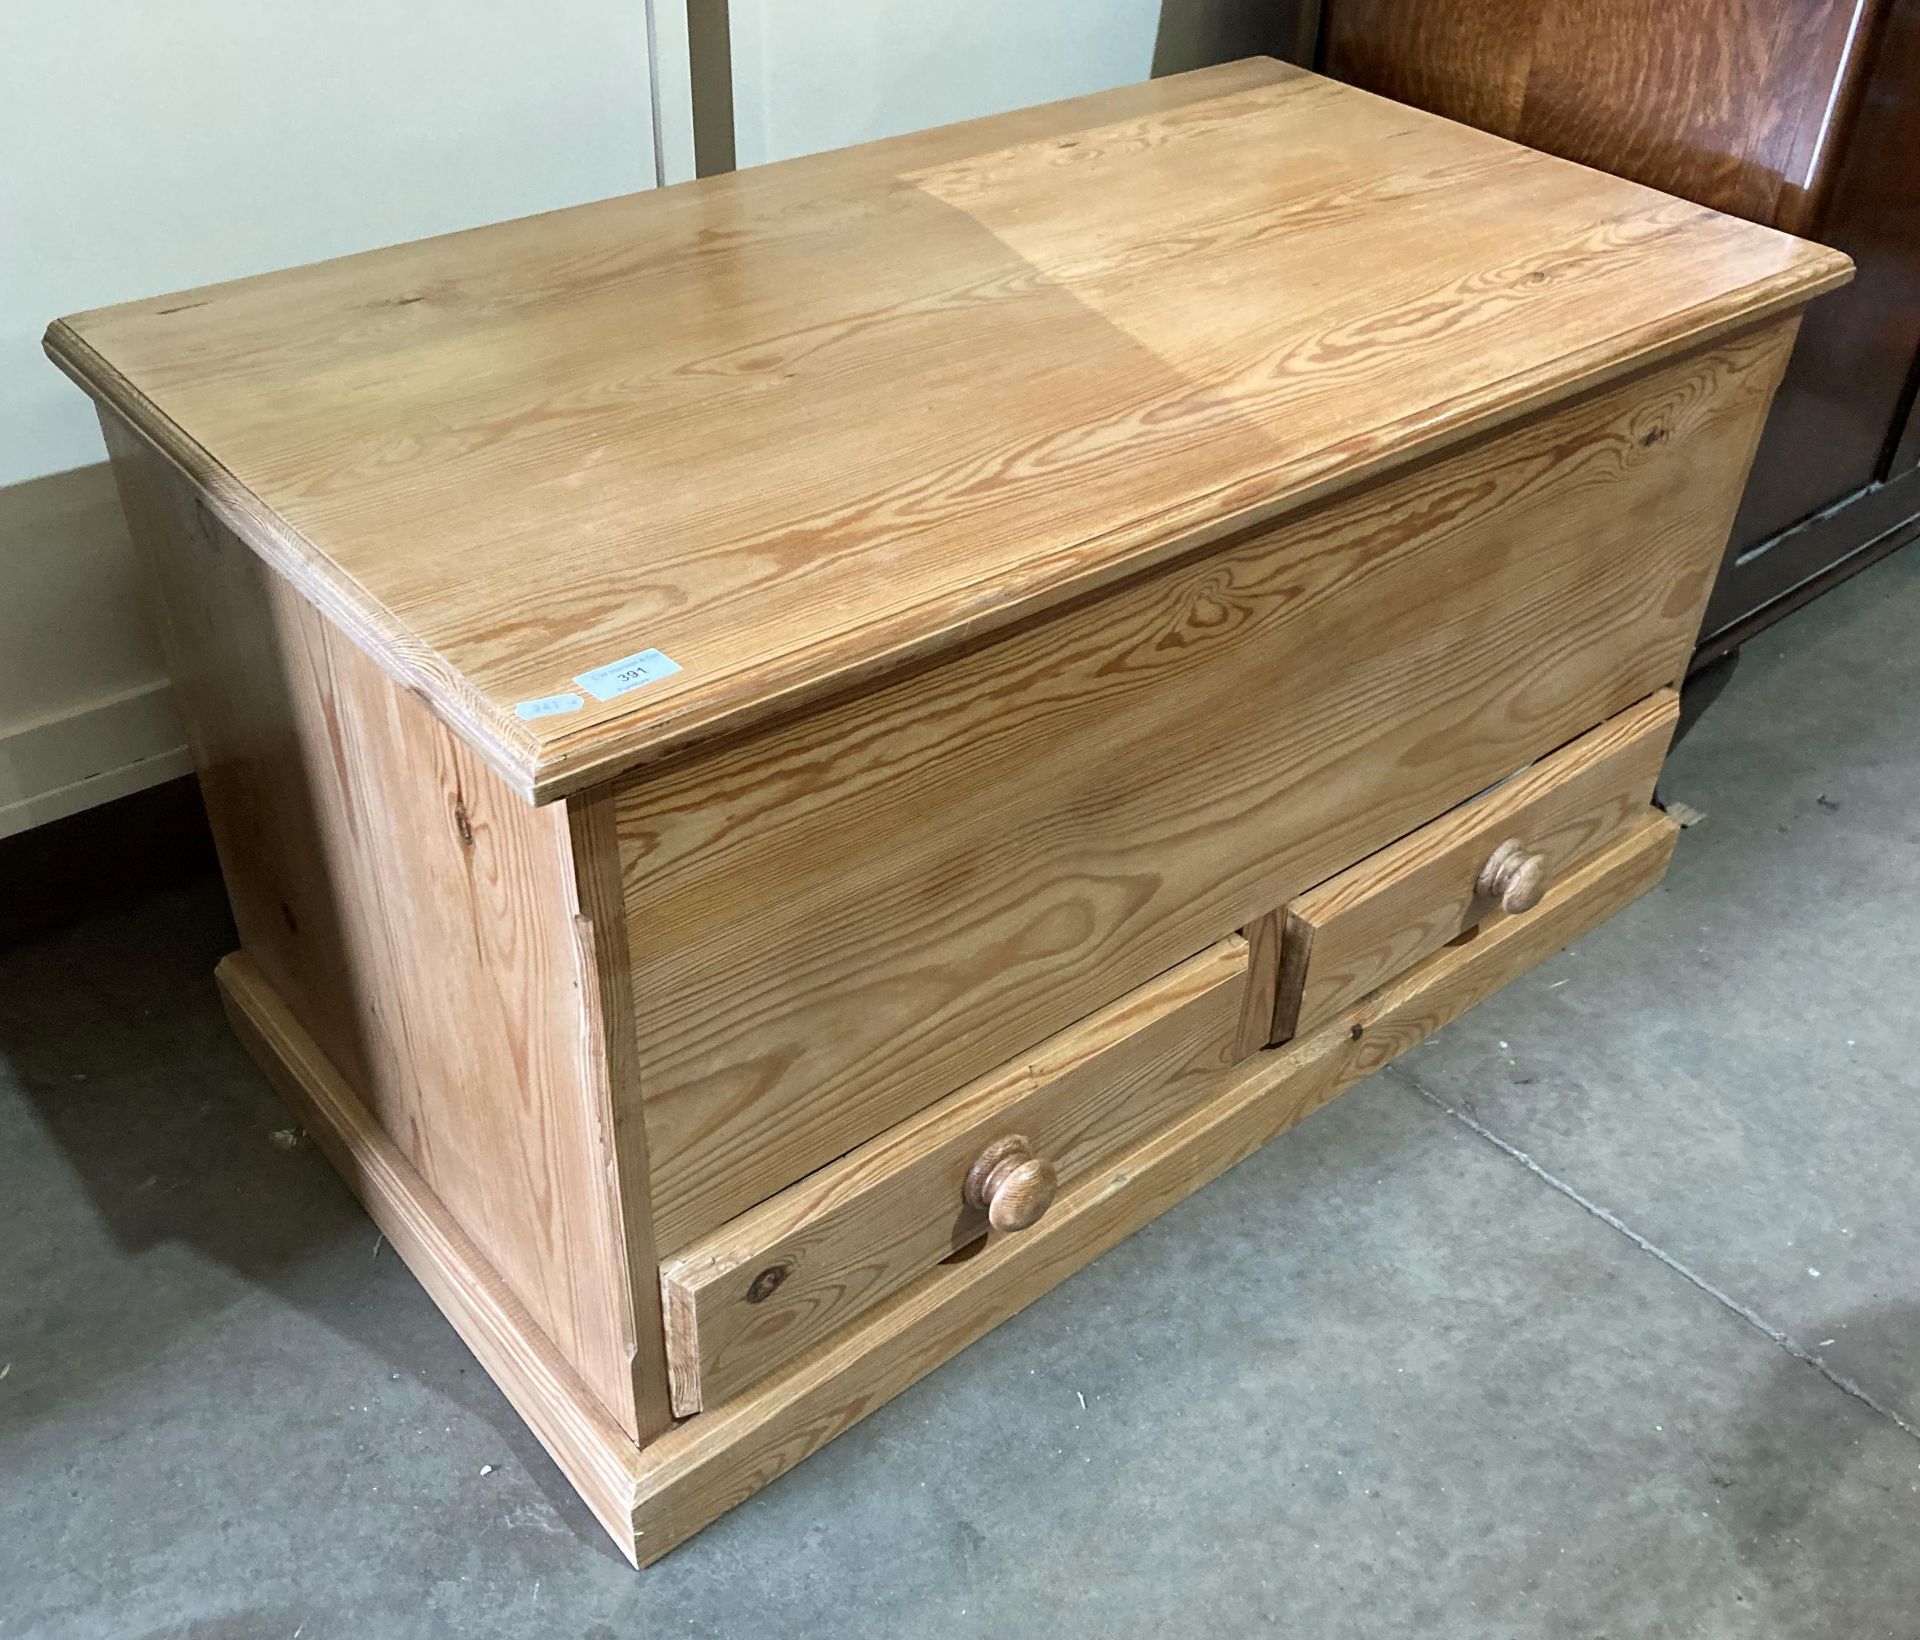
<point x="617" y="677"/>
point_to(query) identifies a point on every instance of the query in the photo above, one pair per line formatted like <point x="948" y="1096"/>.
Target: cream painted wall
<point x="145" y="147"/>
<point x="816" y="74"/>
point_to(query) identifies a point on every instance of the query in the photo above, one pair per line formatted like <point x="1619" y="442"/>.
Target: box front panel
<point x="844" y="918"/>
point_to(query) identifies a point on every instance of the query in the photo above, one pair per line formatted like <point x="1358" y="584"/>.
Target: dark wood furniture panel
<point x="1721" y="102"/>
<point x="1841" y="432"/>
<point x="1802" y="114"/>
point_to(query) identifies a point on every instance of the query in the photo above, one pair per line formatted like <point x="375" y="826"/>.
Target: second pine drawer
<point x="1492" y="856"/>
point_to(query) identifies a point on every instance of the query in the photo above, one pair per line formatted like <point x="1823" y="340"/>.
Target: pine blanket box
<point x="797" y="755"/>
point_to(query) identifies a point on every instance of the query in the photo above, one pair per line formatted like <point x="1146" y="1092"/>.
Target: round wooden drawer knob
<point x="1011" y="1183"/>
<point x="1513" y="878"/>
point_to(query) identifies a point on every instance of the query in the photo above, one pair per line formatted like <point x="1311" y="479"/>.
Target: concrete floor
<point x="1597" y="1316"/>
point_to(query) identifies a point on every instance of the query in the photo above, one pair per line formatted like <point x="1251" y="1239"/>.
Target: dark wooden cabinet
<point x="1802" y="114"/>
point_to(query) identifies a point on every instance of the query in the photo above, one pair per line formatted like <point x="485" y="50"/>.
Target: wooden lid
<point x="805" y="424"/>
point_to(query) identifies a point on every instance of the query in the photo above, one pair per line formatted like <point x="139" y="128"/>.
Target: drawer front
<point x="837" y="921"/>
<point x="1491" y="857"/>
<point x="984" y="1161"/>
<point x="710" y="1463"/>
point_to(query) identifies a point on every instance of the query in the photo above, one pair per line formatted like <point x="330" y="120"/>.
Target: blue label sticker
<point x="550" y="706"/>
<point x="617" y="677"/>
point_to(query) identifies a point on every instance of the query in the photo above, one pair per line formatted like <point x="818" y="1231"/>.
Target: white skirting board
<point x="102" y="749"/>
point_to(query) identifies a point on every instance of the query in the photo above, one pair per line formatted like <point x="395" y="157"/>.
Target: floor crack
<point x="1752" y="1317"/>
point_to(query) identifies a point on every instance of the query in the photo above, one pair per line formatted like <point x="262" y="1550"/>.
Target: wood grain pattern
<point x="417" y="917"/>
<point x="1513" y="877"/>
<point x="611" y="1061"/>
<point x="763" y="1288"/>
<point x="1377" y="918"/>
<point x="1055" y="818"/>
<point x="808" y="425"/>
<point x="1010" y="1184"/>
<point x="1075" y="535"/>
<point x="710" y="1463"/>
<point x="1725" y="102"/>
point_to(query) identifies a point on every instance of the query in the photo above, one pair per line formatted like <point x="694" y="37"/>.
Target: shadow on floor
<point x="113" y="1033"/>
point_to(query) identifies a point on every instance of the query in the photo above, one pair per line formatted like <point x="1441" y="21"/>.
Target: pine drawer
<point x="1491" y="857"/>
<point x="985" y="1161"/>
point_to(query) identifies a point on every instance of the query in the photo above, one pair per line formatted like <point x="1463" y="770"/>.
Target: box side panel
<point x="416" y="917"/>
